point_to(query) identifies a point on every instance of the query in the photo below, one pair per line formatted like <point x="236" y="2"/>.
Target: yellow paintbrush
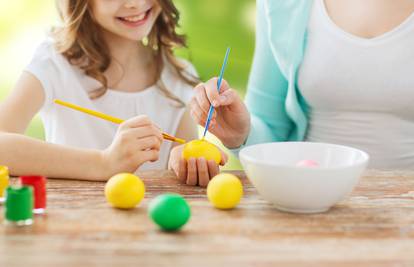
<point x="110" y="118"/>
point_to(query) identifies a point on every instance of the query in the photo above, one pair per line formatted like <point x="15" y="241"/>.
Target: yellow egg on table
<point x="225" y="191"/>
<point x="124" y="190"/>
<point x="201" y="149"/>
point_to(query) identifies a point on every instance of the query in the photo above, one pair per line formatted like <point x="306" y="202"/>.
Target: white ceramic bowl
<point x="272" y="169"/>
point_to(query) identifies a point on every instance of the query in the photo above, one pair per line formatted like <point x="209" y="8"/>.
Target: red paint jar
<point x="39" y="191"/>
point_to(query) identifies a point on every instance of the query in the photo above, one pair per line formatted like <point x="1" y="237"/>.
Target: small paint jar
<point x="19" y="206"/>
<point x="39" y="191"/>
<point x="4" y="182"/>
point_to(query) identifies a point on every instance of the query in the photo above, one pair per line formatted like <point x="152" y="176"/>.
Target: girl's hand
<point x="194" y="171"/>
<point x="137" y="141"/>
<point x="230" y="121"/>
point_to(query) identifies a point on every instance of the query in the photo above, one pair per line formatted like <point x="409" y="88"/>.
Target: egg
<point x="124" y="191"/>
<point x="201" y="149"/>
<point x="225" y="191"/>
<point x="169" y="211"/>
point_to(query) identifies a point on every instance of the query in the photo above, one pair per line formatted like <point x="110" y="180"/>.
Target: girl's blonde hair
<point x="81" y="42"/>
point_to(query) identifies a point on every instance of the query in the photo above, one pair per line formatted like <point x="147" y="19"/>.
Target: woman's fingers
<point x="198" y="113"/>
<point x="178" y="164"/>
<point x="182" y="170"/>
<point x="228" y="97"/>
<point x="197" y="171"/>
<point x="191" y="171"/>
<point x="224" y="158"/>
<point x="201" y="99"/>
<point x="212" y="93"/>
<point x="213" y="168"/>
<point x="202" y="170"/>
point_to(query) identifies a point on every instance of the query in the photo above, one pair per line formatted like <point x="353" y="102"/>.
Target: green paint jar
<point x="18" y="209"/>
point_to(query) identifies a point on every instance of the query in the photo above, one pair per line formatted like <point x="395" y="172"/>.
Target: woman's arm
<point x="267" y="89"/>
<point x="264" y="117"/>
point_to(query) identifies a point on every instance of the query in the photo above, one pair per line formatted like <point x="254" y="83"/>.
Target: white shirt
<point x="361" y="91"/>
<point x="61" y="80"/>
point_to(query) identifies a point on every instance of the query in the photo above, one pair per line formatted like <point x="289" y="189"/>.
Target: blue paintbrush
<point x="210" y="111"/>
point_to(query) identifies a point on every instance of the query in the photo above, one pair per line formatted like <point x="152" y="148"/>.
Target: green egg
<point x="169" y="211"/>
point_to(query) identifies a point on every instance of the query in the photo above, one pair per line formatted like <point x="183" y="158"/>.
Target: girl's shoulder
<point x="189" y="71"/>
<point x="178" y="86"/>
<point x="46" y="53"/>
<point x="45" y="49"/>
<point x="188" y="67"/>
<point x="53" y="71"/>
<point x="46" y="60"/>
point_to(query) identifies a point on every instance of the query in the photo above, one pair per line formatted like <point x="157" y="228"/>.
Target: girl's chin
<point x="130" y="36"/>
<point x="135" y="37"/>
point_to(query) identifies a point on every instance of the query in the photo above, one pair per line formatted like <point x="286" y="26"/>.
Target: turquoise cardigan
<point x="278" y="111"/>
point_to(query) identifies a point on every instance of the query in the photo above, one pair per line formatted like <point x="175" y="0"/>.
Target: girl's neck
<point x="132" y="65"/>
<point x="128" y="53"/>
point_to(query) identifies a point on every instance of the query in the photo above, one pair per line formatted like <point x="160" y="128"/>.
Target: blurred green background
<point x="210" y="27"/>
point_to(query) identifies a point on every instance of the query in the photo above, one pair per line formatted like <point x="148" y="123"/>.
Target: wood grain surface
<point x="372" y="227"/>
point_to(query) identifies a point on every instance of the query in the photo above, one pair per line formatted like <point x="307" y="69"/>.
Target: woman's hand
<point x="194" y="171"/>
<point x="230" y="121"/>
<point x="137" y="141"/>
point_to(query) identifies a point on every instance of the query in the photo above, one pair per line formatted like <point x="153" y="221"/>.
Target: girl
<point x="336" y="71"/>
<point x="97" y="60"/>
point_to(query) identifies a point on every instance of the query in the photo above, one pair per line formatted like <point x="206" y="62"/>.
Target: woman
<point x="325" y="71"/>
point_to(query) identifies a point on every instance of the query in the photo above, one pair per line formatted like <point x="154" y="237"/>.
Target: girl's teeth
<point x="135" y="18"/>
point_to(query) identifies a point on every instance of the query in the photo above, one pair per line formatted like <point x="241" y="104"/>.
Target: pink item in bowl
<point x="307" y="163"/>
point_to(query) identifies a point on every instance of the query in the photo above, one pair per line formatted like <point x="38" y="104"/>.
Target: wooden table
<point x="373" y="227"/>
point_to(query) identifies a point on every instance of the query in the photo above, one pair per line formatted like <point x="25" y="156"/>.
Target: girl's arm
<point x="24" y="155"/>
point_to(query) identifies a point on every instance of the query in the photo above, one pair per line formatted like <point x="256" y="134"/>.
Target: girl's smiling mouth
<point x="135" y="20"/>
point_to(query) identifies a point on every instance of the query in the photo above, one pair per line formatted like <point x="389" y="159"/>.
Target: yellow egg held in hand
<point x="201" y="149"/>
<point x="225" y="191"/>
<point x="124" y="190"/>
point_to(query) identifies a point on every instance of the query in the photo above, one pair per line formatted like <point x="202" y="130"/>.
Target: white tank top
<point x="68" y="127"/>
<point x="361" y="91"/>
